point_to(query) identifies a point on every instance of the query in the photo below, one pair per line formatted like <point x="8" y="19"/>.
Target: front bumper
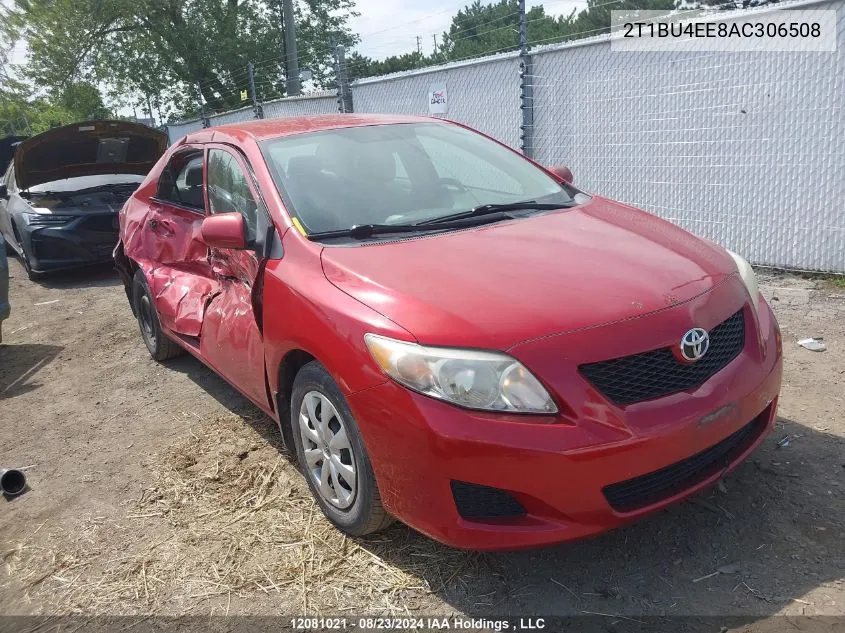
<point x="557" y="468"/>
<point x="85" y="241"/>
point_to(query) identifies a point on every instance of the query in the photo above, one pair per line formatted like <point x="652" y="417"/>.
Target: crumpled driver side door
<point x="231" y="340"/>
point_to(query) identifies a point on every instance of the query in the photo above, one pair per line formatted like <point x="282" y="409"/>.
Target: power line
<point x="422" y="19"/>
<point x="551" y="40"/>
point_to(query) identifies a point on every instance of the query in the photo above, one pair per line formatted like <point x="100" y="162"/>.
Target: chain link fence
<point x="744" y="148"/>
<point x="482" y="93"/>
<point x="317" y="103"/>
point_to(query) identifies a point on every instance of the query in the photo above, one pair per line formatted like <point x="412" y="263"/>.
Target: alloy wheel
<point x="329" y="458"/>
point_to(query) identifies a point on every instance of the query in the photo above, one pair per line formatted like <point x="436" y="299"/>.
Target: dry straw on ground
<point x="229" y="518"/>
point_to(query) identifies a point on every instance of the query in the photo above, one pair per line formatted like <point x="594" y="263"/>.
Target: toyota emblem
<point x="694" y="344"/>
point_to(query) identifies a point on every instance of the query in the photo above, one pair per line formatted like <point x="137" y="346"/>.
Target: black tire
<point x="366" y="514"/>
<point x="160" y="347"/>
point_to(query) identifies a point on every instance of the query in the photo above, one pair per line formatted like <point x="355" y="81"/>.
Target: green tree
<point x="22" y="112"/>
<point x="359" y="66"/>
<point x="83" y="100"/>
<point x="169" y="50"/>
<point x="595" y="19"/>
<point x="480" y="29"/>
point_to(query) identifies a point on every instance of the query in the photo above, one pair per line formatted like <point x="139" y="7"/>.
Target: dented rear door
<point x="163" y="236"/>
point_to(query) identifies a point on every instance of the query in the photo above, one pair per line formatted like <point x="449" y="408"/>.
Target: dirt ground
<point x="158" y="489"/>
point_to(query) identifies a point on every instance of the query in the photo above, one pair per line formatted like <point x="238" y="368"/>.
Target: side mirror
<point x="563" y="172"/>
<point x="4" y="191"/>
<point x="224" y="230"/>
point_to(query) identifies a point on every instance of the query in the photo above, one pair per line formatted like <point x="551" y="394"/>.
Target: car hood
<point x="87" y="149"/>
<point x="500" y="284"/>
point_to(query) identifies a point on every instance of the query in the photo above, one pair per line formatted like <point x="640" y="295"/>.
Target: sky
<point x="391" y="27"/>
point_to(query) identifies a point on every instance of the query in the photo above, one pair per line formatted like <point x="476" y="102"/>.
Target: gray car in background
<point x="61" y="193"/>
<point x="4" y="286"/>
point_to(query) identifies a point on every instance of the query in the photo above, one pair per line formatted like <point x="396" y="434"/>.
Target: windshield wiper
<point x="364" y="231"/>
<point x="487" y="209"/>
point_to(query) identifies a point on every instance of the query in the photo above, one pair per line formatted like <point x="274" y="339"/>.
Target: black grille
<point x="659" y="373"/>
<point x="475" y="502"/>
<point x="102" y="250"/>
<point x="105" y="223"/>
<point x="654" y="487"/>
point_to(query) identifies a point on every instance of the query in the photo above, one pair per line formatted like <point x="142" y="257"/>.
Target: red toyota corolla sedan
<point x="448" y="333"/>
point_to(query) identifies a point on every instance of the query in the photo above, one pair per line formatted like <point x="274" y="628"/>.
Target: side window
<point x="228" y="189"/>
<point x="181" y="182"/>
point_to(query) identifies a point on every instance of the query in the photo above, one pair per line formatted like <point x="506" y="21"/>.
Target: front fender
<point x="304" y="311"/>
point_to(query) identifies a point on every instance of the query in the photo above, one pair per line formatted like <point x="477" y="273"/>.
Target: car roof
<point x="263" y="129"/>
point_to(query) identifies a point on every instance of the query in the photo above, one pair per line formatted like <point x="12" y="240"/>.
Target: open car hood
<point x="87" y="149"/>
<point x="8" y="144"/>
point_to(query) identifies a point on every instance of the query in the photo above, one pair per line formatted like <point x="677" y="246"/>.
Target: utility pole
<point x="291" y="57"/>
<point x="434" y="54"/>
<point x="526" y="86"/>
<point x="256" y="107"/>
<point x="344" y="92"/>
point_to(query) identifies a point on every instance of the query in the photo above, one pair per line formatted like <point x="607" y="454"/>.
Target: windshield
<point x="86" y="182"/>
<point x="399" y="174"/>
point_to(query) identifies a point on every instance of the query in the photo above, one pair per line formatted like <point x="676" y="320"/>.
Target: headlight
<point x="476" y="380"/>
<point x="748" y="275"/>
<point x="46" y="219"/>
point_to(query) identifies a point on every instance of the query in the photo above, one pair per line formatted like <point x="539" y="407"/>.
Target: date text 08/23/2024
<point x="442" y="623"/>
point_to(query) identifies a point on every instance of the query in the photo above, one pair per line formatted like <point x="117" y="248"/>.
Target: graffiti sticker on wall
<point x="437" y="100"/>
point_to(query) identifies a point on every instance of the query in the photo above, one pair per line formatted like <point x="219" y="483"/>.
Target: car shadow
<point x="758" y="543"/>
<point x="20" y="364"/>
<point x="95" y="276"/>
<point x="99" y="276"/>
<point x="229" y="397"/>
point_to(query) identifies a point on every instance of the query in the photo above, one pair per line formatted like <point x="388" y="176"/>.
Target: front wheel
<point x="332" y="455"/>
<point x="160" y="347"/>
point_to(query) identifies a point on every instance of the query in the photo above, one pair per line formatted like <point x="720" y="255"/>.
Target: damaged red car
<point x="448" y="333"/>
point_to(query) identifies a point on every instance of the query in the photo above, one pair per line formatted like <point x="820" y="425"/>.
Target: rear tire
<point x="353" y="506"/>
<point x="160" y="347"/>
